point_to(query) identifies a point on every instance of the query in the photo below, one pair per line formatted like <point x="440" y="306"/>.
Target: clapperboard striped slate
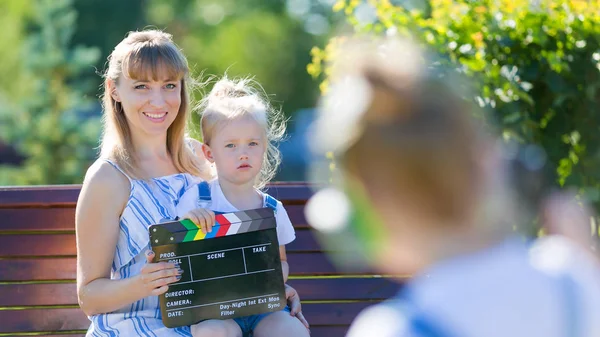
<point x="225" y="224"/>
<point x="233" y="271"/>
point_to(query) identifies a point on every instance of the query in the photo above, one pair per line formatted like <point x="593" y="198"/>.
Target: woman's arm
<point x="102" y="199"/>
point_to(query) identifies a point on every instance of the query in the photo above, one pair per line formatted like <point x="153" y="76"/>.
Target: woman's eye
<point x="171" y="86"/>
<point x="253" y="144"/>
<point x="230" y="146"/>
<point x="140" y="86"/>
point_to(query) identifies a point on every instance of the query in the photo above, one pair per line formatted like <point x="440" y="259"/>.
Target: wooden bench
<point x="37" y="266"/>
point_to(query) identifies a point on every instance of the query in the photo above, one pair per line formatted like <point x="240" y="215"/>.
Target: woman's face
<point x="150" y="106"/>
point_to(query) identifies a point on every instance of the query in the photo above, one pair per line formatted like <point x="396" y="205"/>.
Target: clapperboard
<point x="233" y="271"/>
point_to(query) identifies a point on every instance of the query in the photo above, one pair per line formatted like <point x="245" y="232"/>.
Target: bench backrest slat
<point x="38" y="265"/>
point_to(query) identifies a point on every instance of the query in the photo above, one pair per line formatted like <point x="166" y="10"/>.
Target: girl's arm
<point x="285" y="268"/>
<point x="285" y="234"/>
<point x="103" y="197"/>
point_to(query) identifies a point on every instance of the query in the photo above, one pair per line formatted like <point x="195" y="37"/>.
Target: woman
<point x="146" y="164"/>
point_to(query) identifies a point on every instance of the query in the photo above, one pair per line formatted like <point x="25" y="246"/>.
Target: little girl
<point x="240" y="130"/>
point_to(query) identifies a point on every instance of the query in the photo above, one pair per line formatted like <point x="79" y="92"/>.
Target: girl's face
<point x="150" y="106"/>
<point x="237" y="148"/>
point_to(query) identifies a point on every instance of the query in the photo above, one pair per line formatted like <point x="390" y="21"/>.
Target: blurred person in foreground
<point x="424" y="189"/>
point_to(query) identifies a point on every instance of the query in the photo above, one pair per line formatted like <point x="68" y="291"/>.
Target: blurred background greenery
<point x="535" y="66"/>
<point x="52" y="50"/>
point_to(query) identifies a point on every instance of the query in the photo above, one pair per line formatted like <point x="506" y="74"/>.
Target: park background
<point x="534" y="68"/>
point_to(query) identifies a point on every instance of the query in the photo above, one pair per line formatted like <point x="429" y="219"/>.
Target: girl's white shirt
<point x="191" y="200"/>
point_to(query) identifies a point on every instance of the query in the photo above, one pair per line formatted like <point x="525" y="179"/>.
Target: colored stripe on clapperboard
<point x="225" y="224"/>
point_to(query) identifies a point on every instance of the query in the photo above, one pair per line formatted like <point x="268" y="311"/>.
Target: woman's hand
<point x="156" y="277"/>
<point x="293" y="301"/>
<point x="202" y="217"/>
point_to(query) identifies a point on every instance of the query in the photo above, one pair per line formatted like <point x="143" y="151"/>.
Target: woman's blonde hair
<point x="145" y="55"/>
<point x="237" y="98"/>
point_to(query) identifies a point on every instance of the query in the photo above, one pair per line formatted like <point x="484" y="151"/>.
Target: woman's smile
<point x="156" y="117"/>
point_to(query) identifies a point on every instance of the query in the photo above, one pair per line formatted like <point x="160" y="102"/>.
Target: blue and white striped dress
<point x="150" y="202"/>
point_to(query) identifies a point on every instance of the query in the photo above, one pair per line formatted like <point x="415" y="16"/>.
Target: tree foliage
<point x="48" y="123"/>
<point x="49" y="88"/>
<point x="243" y="38"/>
<point x="536" y="65"/>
